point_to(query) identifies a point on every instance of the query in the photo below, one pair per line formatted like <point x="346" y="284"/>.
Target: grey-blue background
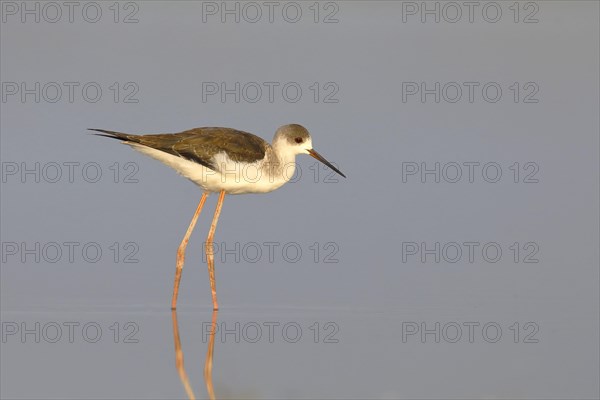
<point x="375" y="290"/>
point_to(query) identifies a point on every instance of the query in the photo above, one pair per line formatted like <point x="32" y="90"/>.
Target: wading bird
<point x="224" y="161"/>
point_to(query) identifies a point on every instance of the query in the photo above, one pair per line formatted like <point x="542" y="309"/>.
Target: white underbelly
<point x="235" y="178"/>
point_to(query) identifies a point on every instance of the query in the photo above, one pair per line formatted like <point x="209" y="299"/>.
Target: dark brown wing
<point x="201" y="144"/>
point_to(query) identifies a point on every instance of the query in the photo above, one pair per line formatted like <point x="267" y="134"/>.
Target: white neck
<point x="280" y="161"/>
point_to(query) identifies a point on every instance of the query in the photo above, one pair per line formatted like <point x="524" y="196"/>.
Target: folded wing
<point x="200" y="145"/>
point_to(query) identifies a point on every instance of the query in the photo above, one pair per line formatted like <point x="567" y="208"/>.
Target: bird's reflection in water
<point x="179" y="363"/>
<point x="209" y="357"/>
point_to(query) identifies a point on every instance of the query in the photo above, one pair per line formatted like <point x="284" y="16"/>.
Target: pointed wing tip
<point x="100" y="130"/>
<point x="108" y="134"/>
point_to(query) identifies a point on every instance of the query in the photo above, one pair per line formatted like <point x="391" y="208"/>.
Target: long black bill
<point x="319" y="157"/>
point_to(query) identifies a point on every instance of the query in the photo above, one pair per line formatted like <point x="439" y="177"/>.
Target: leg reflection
<point x="179" y="358"/>
<point x="179" y="363"/>
<point x="209" y="357"/>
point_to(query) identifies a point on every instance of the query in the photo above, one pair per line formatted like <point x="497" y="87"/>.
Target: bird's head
<point x="293" y="139"/>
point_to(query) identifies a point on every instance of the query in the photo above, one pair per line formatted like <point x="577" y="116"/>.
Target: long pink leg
<point x="210" y="252"/>
<point x="181" y="250"/>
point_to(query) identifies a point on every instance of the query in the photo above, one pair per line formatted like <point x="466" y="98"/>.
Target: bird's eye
<point x="298" y="140"/>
